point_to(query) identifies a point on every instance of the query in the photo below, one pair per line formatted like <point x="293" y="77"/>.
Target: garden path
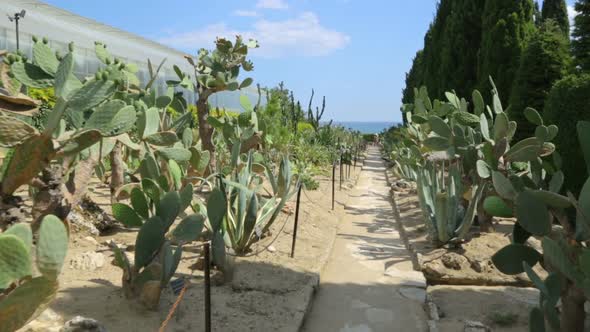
<point x="369" y="284"/>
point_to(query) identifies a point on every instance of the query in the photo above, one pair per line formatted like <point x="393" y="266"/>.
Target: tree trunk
<point x="11" y="211"/>
<point x="484" y="220"/>
<point x="117" y="170"/>
<point x="49" y="198"/>
<point x="572" y="314"/>
<point x="205" y="130"/>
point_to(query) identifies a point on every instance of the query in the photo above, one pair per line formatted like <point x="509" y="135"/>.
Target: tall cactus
<point x="217" y="71"/>
<point x="315" y="119"/>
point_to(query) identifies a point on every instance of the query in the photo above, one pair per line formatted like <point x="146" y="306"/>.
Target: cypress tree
<point x="567" y="104"/>
<point x="413" y="78"/>
<point x="451" y="47"/>
<point x="537" y="15"/>
<point x="433" y="48"/>
<point x="507" y="24"/>
<point x="557" y="10"/>
<point x="544" y="61"/>
<point x="581" y="35"/>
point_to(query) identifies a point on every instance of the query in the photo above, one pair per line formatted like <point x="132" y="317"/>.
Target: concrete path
<point x="369" y="284"/>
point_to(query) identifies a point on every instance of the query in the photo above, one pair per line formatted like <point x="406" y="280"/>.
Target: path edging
<point x="430" y="307"/>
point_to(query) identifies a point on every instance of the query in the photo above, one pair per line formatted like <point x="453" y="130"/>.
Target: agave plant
<point x="239" y="213"/>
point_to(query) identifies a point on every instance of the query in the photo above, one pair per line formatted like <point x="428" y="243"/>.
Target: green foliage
<point x="556" y="10"/>
<point x="506" y="27"/>
<point x="543" y="62"/>
<point x="581" y="35"/>
<point x="567" y="104"/>
<point x="451" y="48"/>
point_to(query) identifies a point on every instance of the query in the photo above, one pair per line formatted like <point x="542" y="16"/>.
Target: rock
<point x="474" y="326"/>
<point x="402" y="184"/>
<point x="99" y="218"/>
<point x="87" y="261"/>
<point x="90" y="239"/>
<point x="77" y="221"/>
<point x="454" y="261"/>
<point x="217" y="278"/>
<point x="47" y="321"/>
<point x="271" y="249"/>
<point x="82" y="324"/>
<point x="534" y="243"/>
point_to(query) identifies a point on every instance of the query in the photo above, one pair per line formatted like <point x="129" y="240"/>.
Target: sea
<point x="366" y="127"/>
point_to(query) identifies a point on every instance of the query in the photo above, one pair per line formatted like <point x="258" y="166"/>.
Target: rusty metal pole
<point x="296" y="220"/>
<point x="207" y="287"/>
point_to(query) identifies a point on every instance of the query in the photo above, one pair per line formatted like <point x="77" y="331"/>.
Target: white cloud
<point x="302" y="36"/>
<point x="272" y="4"/>
<point x="245" y="13"/>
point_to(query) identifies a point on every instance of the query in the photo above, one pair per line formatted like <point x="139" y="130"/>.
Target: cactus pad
<point x="148" y="242"/>
<point x="126" y="215"/>
<point x="28" y="159"/>
<point x="15" y="261"/>
<point x="189" y="229"/>
<point x="14" y="131"/>
<point x="52" y="246"/>
<point x="25" y="302"/>
<point x="31" y="75"/>
<point x="165" y="138"/>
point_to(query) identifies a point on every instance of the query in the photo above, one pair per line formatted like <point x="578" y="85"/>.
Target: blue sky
<point x="354" y="52"/>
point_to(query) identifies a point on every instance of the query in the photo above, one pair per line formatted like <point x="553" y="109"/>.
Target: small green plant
<point x="24" y="295"/>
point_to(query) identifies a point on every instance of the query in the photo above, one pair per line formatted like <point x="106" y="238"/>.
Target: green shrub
<point x="544" y="61"/>
<point x="567" y="104"/>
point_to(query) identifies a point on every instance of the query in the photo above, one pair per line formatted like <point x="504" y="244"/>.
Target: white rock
<point x="83" y="324"/>
<point x="271" y="249"/>
<point x="87" y="261"/>
<point x="90" y="239"/>
<point x="474" y="326"/>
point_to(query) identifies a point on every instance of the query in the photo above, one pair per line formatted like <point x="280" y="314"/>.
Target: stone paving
<point x="369" y="284"/>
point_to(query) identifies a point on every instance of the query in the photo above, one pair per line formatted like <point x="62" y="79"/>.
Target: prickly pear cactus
<point x="158" y="249"/>
<point x="22" y="295"/>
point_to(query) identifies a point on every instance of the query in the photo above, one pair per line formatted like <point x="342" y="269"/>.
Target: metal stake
<point x="296" y="221"/>
<point x="207" y="287"/>
<point x="333" y="183"/>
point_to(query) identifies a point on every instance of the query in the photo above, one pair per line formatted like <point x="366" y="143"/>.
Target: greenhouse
<point x="274" y="165"/>
<point x="61" y="27"/>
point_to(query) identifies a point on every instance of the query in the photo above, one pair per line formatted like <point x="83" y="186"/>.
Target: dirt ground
<point x="268" y="292"/>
